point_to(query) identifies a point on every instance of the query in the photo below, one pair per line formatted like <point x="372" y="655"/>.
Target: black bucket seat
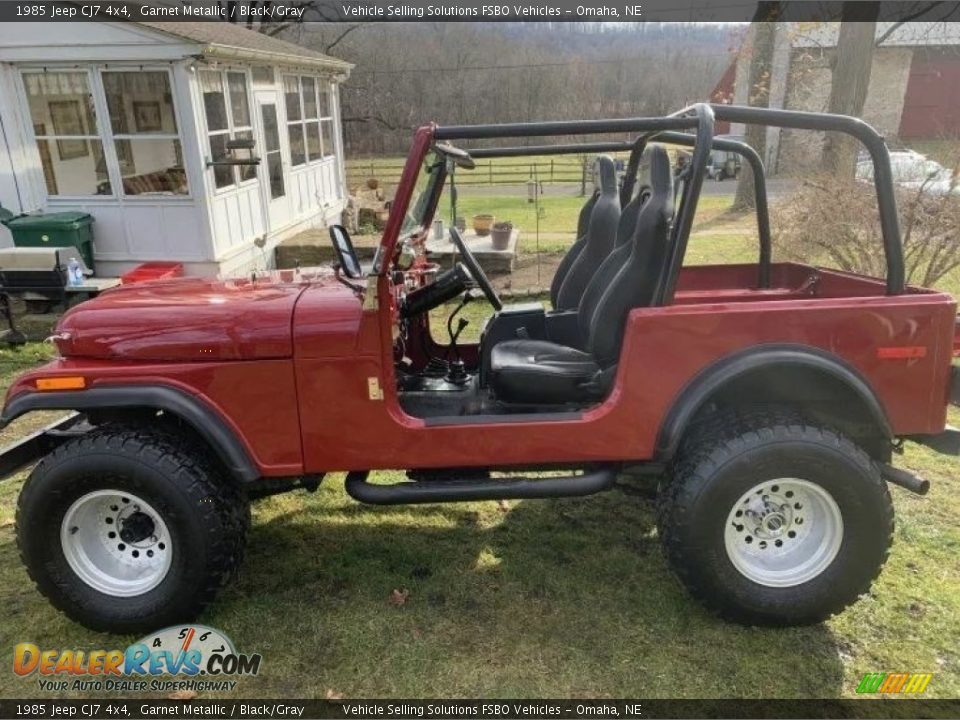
<point x="597" y="241"/>
<point x="537" y="372"/>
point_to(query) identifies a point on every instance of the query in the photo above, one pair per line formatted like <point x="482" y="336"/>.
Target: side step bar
<point x="439" y="491"/>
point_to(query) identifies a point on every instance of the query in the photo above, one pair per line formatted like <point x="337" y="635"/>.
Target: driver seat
<point x="583" y="222"/>
<point x="536" y="372"/>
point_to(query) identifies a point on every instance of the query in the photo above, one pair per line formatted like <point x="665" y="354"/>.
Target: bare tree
<point x="764" y="32"/>
<point x="809" y="227"/>
<point x="851" y="80"/>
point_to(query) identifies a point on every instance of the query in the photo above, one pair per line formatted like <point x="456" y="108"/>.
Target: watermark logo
<point x="886" y="683"/>
<point x="179" y="651"/>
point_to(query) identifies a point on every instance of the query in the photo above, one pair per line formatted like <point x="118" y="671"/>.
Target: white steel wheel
<point x="783" y="532"/>
<point x="116" y="543"/>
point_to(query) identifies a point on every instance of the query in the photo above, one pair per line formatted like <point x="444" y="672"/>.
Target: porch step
<point x="492" y="261"/>
<point x="313" y="248"/>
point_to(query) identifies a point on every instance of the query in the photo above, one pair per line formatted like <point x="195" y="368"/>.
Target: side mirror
<point x="349" y="264"/>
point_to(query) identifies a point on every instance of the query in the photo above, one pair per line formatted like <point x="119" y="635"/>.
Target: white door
<point x="272" y="180"/>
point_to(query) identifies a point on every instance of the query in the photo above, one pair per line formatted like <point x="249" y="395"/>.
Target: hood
<point x="188" y="320"/>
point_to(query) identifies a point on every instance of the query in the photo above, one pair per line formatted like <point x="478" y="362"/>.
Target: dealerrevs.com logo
<point x="192" y="657"/>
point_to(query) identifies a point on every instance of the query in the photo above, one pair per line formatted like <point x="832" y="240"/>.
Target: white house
<point x="136" y="123"/>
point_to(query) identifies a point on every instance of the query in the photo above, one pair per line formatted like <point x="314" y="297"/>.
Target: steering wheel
<point x="476" y="272"/>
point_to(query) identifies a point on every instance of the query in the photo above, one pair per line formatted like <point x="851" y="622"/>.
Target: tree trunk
<point x="761" y="63"/>
<point x="851" y="79"/>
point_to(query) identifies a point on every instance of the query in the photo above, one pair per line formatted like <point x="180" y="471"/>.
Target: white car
<point x="913" y="170"/>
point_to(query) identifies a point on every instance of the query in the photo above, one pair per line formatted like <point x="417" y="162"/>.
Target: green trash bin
<point x="60" y="229"/>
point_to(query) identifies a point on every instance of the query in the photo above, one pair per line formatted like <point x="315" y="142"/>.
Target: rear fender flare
<point x="712" y="379"/>
<point x="205" y="421"/>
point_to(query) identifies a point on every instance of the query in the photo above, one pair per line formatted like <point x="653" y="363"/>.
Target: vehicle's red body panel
<point x="665" y="348"/>
<point x="257" y="399"/>
<point x="311" y="411"/>
<point x="186" y="319"/>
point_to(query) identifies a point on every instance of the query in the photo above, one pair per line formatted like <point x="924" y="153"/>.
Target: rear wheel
<point x="128" y="530"/>
<point x="770" y="520"/>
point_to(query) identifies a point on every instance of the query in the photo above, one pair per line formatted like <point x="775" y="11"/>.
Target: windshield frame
<point x="422" y="208"/>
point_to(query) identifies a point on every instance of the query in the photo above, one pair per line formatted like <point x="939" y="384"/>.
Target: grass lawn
<point x="558" y="217"/>
<point x="526" y="599"/>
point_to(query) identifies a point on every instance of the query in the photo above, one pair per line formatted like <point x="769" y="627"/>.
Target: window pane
<point x="275" y="169"/>
<point x="154" y="167"/>
<point x="60" y="104"/>
<point x="313" y="141"/>
<point x="80" y="174"/>
<point x="326" y="127"/>
<point x="239" y="106"/>
<point x="247" y="172"/>
<point x="223" y="174"/>
<point x="325" y="110"/>
<point x="140" y="102"/>
<point x="297" y="155"/>
<point x="214" y="103"/>
<point x="271" y="134"/>
<point x="262" y="75"/>
<point x="309" y="98"/>
<point x="291" y="91"/>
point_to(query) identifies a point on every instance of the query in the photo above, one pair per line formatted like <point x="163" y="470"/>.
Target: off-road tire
<point x="728" y="455"/>
<point x="206" y="514"/>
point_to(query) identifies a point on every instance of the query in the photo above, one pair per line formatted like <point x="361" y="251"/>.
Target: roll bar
<point x="636" y="147"/>
<point x="701" y="118"/>
<point x="871" y="139"/>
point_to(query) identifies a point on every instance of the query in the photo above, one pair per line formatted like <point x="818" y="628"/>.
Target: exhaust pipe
<point x="904" y="479"/>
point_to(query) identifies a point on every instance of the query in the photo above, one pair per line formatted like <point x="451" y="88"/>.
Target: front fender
<point x="207" y="422"/>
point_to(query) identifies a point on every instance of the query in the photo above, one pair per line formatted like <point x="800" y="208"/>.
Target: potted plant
<point x="482" y="224"/>
<point x="501" y="235"/>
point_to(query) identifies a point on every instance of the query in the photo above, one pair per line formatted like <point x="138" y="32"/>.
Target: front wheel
<point x="769" y="520"/>
<point x="129" y="530"/>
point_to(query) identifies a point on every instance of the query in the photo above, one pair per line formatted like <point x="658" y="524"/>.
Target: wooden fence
<point x="492" y="172"/>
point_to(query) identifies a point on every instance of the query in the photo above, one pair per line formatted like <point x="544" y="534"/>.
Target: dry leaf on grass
<point x="333" y="695"/>
<point x="399" y="597"/>
<point x="182" y="695"/>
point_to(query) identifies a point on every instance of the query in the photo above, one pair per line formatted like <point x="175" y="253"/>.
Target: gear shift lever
<point x="456" y="370"/>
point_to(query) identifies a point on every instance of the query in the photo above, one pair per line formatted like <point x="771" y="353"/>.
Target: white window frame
<point x="328" y="91"/>
<point x="108" y="131"/>
<point x="94" y="71"/>
<point x="320" y="85"/>
<point x="231" y="129"/>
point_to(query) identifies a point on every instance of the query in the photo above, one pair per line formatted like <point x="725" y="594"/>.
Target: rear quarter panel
<point x="677" y="343"/>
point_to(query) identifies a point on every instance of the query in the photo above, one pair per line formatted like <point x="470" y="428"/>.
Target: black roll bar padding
<point x="683" y="222"/>
<point x="564" y="127"/>
<point x="875" y="145"/>
<point x="633" y="167"/>
<point x="759" y="190"/>
<point x="636" y="148"/>
<point x="702" y="117"/>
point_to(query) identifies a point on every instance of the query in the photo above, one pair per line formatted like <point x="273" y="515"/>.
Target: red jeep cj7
<point x="769" y="398"/>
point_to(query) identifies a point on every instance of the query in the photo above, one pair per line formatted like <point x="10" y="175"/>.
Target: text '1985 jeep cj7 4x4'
<point x="768" y="398"/>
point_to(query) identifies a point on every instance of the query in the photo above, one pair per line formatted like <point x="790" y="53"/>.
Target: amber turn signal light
<point x="61" y="383"/>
